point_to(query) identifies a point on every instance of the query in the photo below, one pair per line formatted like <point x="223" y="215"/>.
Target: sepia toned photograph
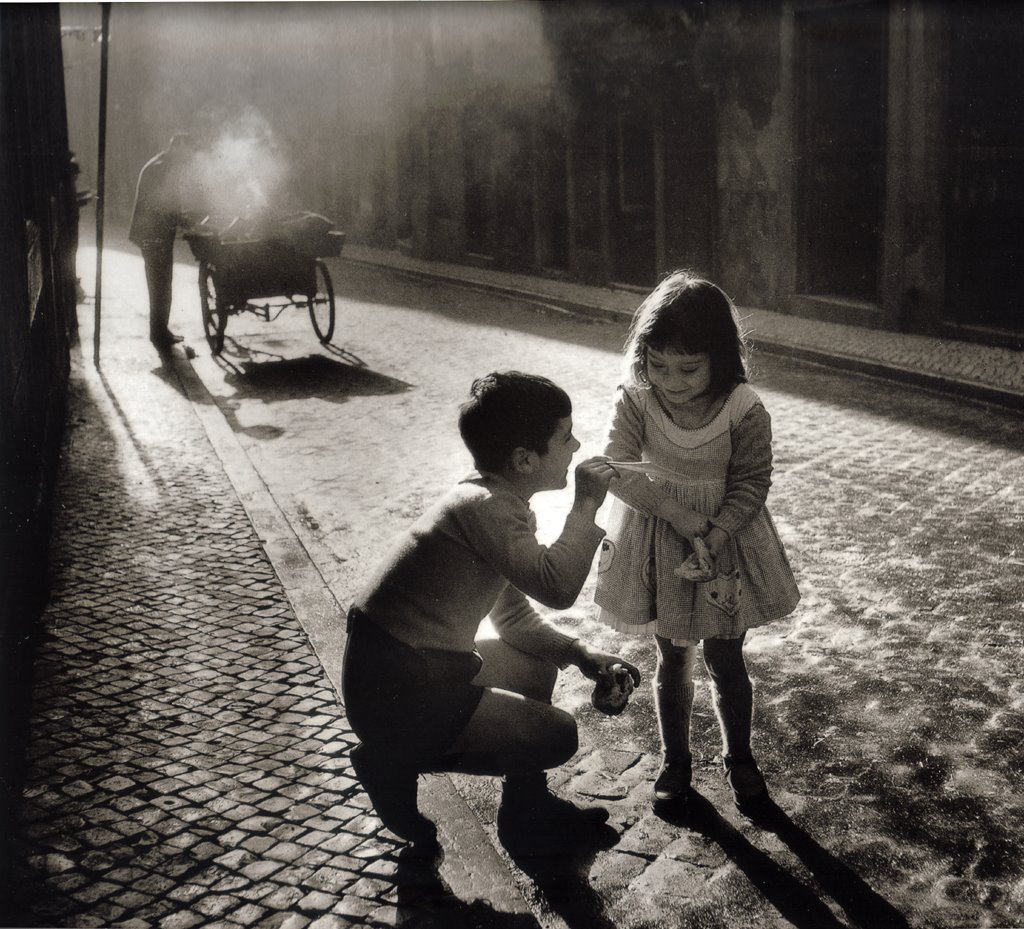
<point x="512" y="464"/>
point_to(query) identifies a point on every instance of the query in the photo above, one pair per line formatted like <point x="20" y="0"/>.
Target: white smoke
<point x="241" y="170"/>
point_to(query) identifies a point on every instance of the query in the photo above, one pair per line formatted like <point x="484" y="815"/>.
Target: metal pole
<point x="100" y="173"/>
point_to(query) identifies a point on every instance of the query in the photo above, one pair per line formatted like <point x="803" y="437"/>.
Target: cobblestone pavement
<point x="188" y="758"/>
<point x="887" y="704"/>
<point x="890" y="709"/>
<point x="970" y="368"/>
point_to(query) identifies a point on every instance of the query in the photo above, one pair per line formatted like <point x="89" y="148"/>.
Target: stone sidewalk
<point x="188" y="757"/>
<point x="979" y="372"/>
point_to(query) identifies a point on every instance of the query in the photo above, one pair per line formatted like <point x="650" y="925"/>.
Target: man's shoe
<point x="673" y="781"/>
<point x="745" y="780"/>
<point x="391" y="787"/>
<point x="165" y="339"/>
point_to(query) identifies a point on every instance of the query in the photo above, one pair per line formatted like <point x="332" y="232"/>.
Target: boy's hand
<point x="592" y="479"/>
<point x="595" y="664"/>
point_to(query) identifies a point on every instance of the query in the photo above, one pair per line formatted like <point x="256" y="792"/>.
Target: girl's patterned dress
<point x="721" y="469"/>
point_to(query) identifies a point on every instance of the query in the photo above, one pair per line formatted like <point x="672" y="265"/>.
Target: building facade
<point x="853" y="160"/>
<point x="861" y="162"/>
<point x="37" y="305"/>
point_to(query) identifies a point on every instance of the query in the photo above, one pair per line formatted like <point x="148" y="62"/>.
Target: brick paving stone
<point x="285" y="921"/>
<point x="260" y="870"/>
<point x="247" y="915"/>
<point x="185" y="919"/>
<point x="354" y="908"/>
<point x="283" y="898"/>
<point x="331" y="921"/>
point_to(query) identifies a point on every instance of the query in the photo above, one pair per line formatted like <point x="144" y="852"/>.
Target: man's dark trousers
<point x="159" y="260"/>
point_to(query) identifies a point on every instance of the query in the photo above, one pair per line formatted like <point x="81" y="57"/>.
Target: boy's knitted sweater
<point x="475" y="553"/>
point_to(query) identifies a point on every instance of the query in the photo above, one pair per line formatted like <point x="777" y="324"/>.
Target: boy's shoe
<point x="532" y="820"/>
<point x="391" y="787"/>
<point x="528" y="795"/>
<point x="674" y="779"/>
<point x="746" y="780"/>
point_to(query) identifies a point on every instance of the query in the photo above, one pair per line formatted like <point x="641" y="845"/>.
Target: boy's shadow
<point x="426" y="902"/>
<point x="562" y="876"/>
<point x="797" y="902"/>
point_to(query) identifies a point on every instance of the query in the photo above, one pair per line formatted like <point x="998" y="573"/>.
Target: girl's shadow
<point x="797" y="902"/>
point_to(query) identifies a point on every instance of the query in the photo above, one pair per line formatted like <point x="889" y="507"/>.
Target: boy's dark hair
<point x="508" y="410"/>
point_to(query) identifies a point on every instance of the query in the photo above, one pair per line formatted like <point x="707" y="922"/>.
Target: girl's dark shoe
<point x="673" y="781"/>
<point x="391" y="787"/>
<point x="746" y="781"/>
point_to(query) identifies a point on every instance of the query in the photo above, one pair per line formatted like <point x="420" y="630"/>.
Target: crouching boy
<point x="422" y="692"/>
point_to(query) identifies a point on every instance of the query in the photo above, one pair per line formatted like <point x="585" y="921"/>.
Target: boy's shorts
<point x="405" y="700"/>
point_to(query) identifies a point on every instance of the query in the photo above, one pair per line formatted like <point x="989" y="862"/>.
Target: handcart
<point x="263" y="269"/>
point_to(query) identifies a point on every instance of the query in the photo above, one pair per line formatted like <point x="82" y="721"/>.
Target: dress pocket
<point x="724" y="592"/>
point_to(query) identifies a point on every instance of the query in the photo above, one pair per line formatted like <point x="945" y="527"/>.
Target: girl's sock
<point x="732" y="694"/>
<point x="673" y="698"/>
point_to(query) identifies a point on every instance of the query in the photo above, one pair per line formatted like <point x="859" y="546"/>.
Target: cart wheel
<point x="321" y="306"/>
<point x="215" y="319"/>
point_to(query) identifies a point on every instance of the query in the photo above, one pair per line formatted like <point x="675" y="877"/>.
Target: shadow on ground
<point x="271" y="378"/>
<point x="274" y="379"/>
<point x="471" y="306"/>
<point x="800" y="904"/>
<point x="889" y="400"/>
<point x="896" y="401"/>
<point x="426" y="902"/>
<point x="563" y="877"/>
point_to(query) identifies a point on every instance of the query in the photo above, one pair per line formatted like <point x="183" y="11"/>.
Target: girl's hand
<point x="715" y="541"/>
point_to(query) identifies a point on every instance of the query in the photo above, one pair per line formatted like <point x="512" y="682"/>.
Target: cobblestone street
<point x="188" y="752"/>
<point x="188" y="764"/>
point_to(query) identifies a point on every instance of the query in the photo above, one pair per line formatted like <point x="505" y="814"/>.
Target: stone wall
<point x="36" y="315"/>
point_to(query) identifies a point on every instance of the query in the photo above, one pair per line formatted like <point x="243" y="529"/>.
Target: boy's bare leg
<point x="517" y="733"/>
<point x="507" y="668"/>
<point x="514" y="729"/>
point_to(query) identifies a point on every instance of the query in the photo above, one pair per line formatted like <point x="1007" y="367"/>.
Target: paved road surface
<point x="889" y="704"/>
<point x="890" y="711"/>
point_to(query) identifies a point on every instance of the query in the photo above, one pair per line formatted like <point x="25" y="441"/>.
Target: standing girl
<point x="693" y="443"/>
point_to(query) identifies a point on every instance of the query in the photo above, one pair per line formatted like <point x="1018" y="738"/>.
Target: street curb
<point x="547" y="301"/>
<point x="477" y="871"/>
<point x="970" y="390"/>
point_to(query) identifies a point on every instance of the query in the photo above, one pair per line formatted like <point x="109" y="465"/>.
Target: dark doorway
<point x="841" y="175"/>
<point x="631" y="195"/>
<point x="689" y="168"/>
<point x="552" y="196"/>
<point x="513" y="203"/>
<point x="480" y="193"/>
<point x="588" y="178"/>
<point x="985" y="218"/>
